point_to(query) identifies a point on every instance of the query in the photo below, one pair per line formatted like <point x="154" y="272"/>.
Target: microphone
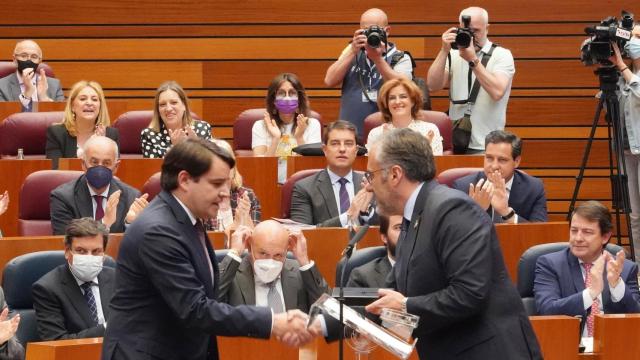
<point x="355" y="239"/>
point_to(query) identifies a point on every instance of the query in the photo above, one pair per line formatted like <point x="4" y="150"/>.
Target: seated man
<point x="97" y="194"/>
<point x="72" y="300"/>
<point x="28" y="84"/>
<point x="374" y="273"/>
<point x="334" y="197"/>
<point x="266" y="277"/>
<point x="508" y="195"/>
<point x="574" y="281"/>
<point x="10" y="348"/>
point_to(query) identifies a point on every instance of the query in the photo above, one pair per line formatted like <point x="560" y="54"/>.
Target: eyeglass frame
<point x="369" y="174"/>
<point x="26" y="56"/>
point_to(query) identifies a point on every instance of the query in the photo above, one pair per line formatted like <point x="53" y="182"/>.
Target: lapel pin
<point x="415" y="225"/>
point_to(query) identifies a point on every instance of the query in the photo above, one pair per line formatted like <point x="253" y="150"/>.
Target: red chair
<point x="242" y="129"/>
<point x="448" y="176"/>
<point x="9" y="67"/>
<point x="27" y="131"/>
<point x="34" y="218"/>
<point x="152" y="186"/>
<point x="287" y="190"/>
<point x="438" y="118"/>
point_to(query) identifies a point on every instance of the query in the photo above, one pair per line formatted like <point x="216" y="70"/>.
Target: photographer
<point x="362" y="68"/>
<point x="629" y="98"/>
<point x="455" y="67"/>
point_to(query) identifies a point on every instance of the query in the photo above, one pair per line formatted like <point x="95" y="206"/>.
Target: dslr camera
<point x="375" y="36"/>
<point x="464" y="35"/>
<point x="597" y="48"/>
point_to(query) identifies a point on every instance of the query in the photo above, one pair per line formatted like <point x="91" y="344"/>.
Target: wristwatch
<point x="474" y="63"/>
<point x="509" y="215"/>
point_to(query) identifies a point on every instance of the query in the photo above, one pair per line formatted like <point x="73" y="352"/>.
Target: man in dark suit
<point x="266" y="270"/>
<point x="72" y="300"/>
<point x="10" y="347"/>
<point x="449" y="268"/>
<point x="27" y="84"/>
<point x="584" y="279"/>
<point x="333" y="197"/>
<point x="165" y="305"/>
<point x="508" y="195"/>
<point x="97" y="194"/>
<point x="374" y="273"/>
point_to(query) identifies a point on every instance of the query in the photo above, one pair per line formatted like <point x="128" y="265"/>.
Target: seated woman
<point x="171" y="122"/>
<point x="241" y="208"/>
<point x="86" y="114"/>
<point x="399" y="102"/>
<point x="286" y="122"/>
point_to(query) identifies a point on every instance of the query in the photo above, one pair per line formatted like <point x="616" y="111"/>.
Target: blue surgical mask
<point x="99" y="176"/>
<point x="633" y="48"/>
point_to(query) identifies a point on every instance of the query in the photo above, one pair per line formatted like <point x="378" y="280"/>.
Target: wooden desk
<point x="616" y="336"/>
<point x="76" y="349"/>
<point x="557" y="336"/>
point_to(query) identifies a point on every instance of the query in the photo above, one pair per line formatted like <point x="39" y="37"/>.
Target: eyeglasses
<point x="25" y="57"/>
<point x="369" y="174"/>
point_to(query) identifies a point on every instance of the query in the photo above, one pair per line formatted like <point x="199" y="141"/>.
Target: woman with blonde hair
<point x="171" y="122"/>
<point x="399" y="102"/>
<point x="85" y="115"/>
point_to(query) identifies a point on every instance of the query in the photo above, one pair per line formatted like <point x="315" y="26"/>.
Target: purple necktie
<point x="99" y="209"/>
<point x="344" y="196"/>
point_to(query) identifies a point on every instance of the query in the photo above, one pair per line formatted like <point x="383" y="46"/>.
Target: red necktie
<point x="595" y="306"/>
<point x="99" y="209"/>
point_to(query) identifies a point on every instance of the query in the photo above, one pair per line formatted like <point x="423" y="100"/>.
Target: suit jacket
<point x="165" y="305"/>
<point x="527" y="195"/>
<point x="62" y="145"/>
<point x="73" y="201"/>
<point x="300" y="288"/>
<point x="10" y="88"/>
<point x="372" y="274"/>
<point x="12" y="349"/>
<point x="454" y="276"/>
<point x="61" y="309"/>
<point x="558" y="287"/>
<point x="313" y="200"/>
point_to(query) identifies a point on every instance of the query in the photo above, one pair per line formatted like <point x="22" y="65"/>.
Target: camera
<point x="375" y="36"/>
<point x="464" y="35"/>
<point x="597" y="49"/>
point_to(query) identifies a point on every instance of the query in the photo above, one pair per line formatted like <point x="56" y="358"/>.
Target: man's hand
<point x="500" y="199"/>
<point x="271" y="126"/>
<point x="614" y="267"/>
<point x="42" y="87"/>
<point x="616" y="58"/>
<point x="597" y="282"/>
<point x="136" y="208"/>
<point x="4" y="202"/>
<point x="469" y="53"/>
<point x="110" y="212"/>
<point x="298" y="246"/>
<point x="291" y="328"/>
<point x="27" y="78"/>
<point x="8" y="327"/>
<point x="481" y="193"/>
<point x="239" y="239"/>
<point x="389" y="299"/>
<point x="359" y="41"/>
<point x="359" y="203"/>
<point x="448" y="38"/>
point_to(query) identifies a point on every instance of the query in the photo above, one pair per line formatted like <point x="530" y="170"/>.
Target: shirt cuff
<point x="515" y="218"/>
<point x="272" y="321"/>
<point x="234" y="256"/>
<point x="617" y="292"/>
<point x="344" y="219"/>
<point x="24" y="100"/>
<point x="308" y="266"/>
<point x="586" y="299"/>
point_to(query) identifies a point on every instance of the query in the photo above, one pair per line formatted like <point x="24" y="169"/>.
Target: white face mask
<point x="633" y="48"/>
<point x="86" y="267"/>
<point x="267" y="270"/>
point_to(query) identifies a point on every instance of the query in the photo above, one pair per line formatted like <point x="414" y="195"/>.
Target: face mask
<point x="267" y="270"/>
<point x="26" y="64"/>
<point x="99" y="176"/>
<point x="86" y="267"/>
<point x="633" y="48"/>
<point x="287" y="106"/>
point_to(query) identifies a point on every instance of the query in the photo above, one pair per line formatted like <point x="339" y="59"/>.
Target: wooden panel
<point x="557" y="336"/>
<point x="615" y="336"/>
<point x="591" y="188"/>
<point x="563" y="153"/>
<point x="11" y="247"/>
<point x="75" y="349"/>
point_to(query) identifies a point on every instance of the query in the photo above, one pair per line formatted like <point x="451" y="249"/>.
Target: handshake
<point x="291" y="328"/>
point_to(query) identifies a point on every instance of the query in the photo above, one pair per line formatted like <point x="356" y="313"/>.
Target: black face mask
<point x="26" y="64"/>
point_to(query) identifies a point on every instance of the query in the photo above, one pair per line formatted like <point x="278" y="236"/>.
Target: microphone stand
<point x="346" y="255"/>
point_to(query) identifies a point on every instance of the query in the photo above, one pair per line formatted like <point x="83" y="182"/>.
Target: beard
<point x="391" y="249"/>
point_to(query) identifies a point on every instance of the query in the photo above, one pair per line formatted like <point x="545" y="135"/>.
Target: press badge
<point x="371" y="94"/>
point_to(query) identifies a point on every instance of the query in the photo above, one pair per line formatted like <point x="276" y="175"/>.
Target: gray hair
<point x="408" y="149"/>
<point x="101" y="141"/>
<point x="475" y="10"/>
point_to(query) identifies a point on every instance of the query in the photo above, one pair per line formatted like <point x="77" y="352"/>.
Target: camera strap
<point x="363" y="55"/>
<point x="475" y="88"/>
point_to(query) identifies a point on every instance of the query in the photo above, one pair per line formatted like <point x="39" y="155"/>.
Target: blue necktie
<point x="91" y="301"/>
<point x="344" y="196"/>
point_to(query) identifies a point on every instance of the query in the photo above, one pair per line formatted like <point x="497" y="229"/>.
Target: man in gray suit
<point x="28" y="84"/>
<point x="97" y="194"/>
<point x="266" y="277"/>
<point x="10" y="348"/>
<point x="334" y="197"/>
<point x="374" y="273"/>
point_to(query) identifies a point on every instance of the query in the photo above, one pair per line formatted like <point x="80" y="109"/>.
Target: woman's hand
<point x="616" y="58"/>
<point x="271" y="126"/>
<point x="189" y="133"/>
<point x="430" y="135"/>
<point x="177" y="136"/>
<point x="101" y="130"/>
<point x="302" y="123"/>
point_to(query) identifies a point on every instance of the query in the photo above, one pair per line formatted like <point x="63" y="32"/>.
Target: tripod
<point x="608" y="76"/>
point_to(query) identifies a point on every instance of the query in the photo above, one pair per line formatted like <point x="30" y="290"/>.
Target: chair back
<point x="152" y="186"/>
<point x="449" y="176"/>
<point x="287" y="190"/>
<point x="359" y="258"/>
<point x="27" y="131"/>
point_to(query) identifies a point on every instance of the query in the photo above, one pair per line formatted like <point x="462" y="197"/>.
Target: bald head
<point x="28" y="47"/>
<point x="269" y="240"/>
<point x="373" y="17"/>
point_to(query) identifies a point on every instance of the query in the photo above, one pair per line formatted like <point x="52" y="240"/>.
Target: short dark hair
<point x="339" y="125"/>
<point x="384" y="224"/>
<point x="85" y="227"/>
<point x="194" y="156"/>
<point x="502" y="136"/>
<point x="408" y="149"/>
<point x="594" y="211"/>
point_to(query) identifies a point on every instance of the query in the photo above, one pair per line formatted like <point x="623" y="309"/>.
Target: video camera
<point x="597" y="49"/>
<point x="375" y="36"/>
<point x="464" y="35"/>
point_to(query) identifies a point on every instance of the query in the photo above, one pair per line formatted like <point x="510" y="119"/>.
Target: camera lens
<point x="373" y="39"/>
<point x="463" y="39"/>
